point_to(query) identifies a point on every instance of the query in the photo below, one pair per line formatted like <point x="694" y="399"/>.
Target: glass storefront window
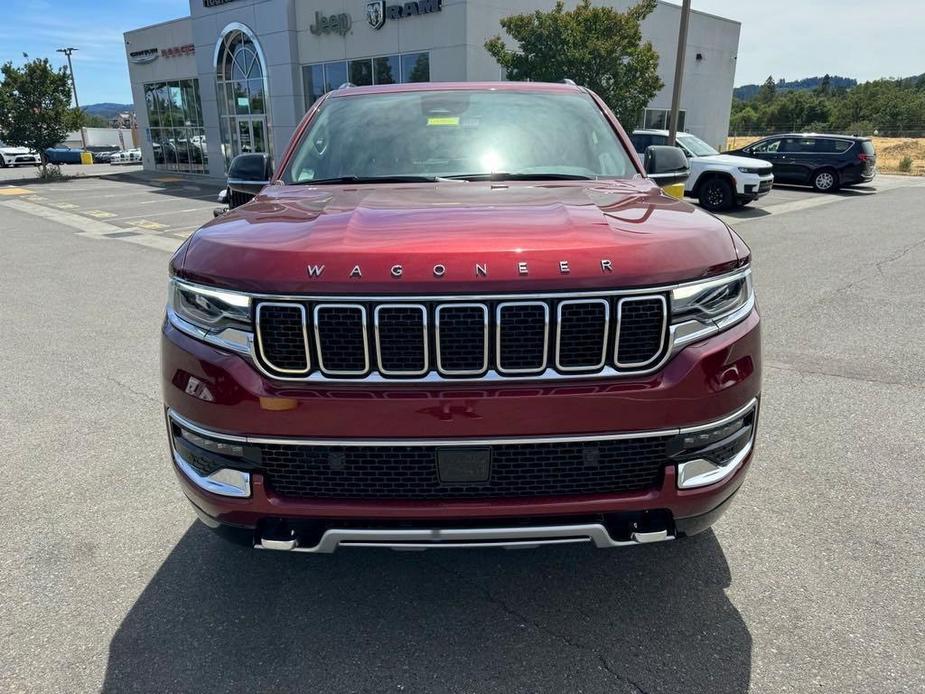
<point x="335" y="74"/>
<point x="242" y="95"/>
<point x="361" y="72"/>
<point x="658" y="118"/>
<point x="387" y="69"/>
<point x="312" y="83"/>
<point x="176" y="129"/>
<point x="415" y="67"/>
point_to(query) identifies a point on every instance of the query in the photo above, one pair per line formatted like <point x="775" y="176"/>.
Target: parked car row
<point x="737" y="177"/>
<point x="18" y="156"/>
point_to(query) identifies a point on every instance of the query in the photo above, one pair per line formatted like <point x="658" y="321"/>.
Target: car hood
<point x="457" y="237"/>
<point x="734" y="160"/>
<point x="16" y="150"/>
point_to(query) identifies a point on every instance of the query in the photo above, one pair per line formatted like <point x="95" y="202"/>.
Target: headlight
<point x="703" y="308"/>
<point x="212" y="315"/>
<point x="746" y="170"/>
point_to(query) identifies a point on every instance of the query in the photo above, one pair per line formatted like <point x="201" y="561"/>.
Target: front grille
<point x="517" y="470"/>
<point x="523" y="335"/>
<point x="401" y="339"/>
<point x="340" y="334"/>
<point x="582" y="334"/>
<point x="460" y="339"/>
<point x="282" y="336"/>
<point x="640" y="330"/>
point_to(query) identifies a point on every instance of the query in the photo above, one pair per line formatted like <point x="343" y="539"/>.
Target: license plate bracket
<point x="463" y="465"/>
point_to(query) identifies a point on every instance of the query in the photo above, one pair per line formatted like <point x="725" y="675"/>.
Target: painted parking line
<point x="167" y="213"/>
<point x="95" y="229"/>
<point x="15" y="191"/>
<point x="100" y="214"/>
<point x="148" y="224"/>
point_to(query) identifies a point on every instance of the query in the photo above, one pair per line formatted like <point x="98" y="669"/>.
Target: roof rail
<point x="566" y="80"/>
<point x="346" y="85"/>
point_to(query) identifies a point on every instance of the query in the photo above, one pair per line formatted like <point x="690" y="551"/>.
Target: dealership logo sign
<point x="377" y="12"/>
<point x="331" y="24"/>
<point x="148" y="55"/>
<point x="176" y="51"/>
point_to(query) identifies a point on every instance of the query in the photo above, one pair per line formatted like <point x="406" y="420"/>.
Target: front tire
<point x="716" y="194"/>
<point x="825" y="181"/>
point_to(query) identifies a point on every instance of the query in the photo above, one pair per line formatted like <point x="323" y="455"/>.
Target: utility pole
<point x="679" y="71"/>
<point x="70" y="68"/>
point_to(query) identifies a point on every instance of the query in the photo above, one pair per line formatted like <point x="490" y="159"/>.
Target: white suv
<point x="719" y="181"/>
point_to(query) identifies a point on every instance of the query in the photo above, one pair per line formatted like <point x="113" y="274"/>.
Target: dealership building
<point x="238" y="75"/>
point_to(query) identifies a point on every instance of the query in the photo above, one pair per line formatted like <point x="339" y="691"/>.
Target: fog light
<point x="229" y="449"/>
<point x="709" y="454"/>
<point x="700" y="472"/>
<point x="232" y="482"/>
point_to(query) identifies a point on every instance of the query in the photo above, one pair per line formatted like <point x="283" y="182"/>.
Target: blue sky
<point x="38" y="27"/>
<point x="786" y="38"/>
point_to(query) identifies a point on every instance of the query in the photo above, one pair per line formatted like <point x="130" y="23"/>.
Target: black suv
<point x="823" y="161"/>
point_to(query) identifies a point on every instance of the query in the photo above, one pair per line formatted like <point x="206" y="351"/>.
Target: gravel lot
<point x="812" y="581"/>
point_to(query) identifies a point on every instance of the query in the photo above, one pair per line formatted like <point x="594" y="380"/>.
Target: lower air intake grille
<point x="517" y="470"/>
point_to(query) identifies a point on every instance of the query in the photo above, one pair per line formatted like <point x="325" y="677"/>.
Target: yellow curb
<point x="15" y="191"/>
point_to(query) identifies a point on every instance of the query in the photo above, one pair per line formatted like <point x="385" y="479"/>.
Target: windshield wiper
<point x="368" y="179"/>
<point x="503" y="176"/>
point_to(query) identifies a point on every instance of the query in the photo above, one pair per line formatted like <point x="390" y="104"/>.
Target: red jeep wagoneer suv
<point x="460" y="315"/>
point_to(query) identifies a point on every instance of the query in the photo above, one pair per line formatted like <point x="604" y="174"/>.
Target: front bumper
<point x="223" y="395"/>
<point x="753" y="186"/>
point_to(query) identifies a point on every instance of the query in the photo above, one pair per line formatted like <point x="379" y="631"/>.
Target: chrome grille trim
<point x="584" y="367"/>
<point x="386" y="372"/>
<point x="334" y="372"/>
<point x="677" y="335"/>
<point x="461" y="372"/>
<point x="499" y="324"/>
<point x="616" y="342"/>
<point x="308" y="358"/>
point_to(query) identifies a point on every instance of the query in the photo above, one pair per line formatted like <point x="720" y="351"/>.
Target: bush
<point x="51" y="173"/>
<point x="905" y="164"/>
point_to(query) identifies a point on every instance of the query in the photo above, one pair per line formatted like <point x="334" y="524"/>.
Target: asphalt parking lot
<point x="812" y="582"/>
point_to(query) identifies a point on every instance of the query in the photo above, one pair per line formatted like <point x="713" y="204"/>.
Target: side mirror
<point x="247" y="175"/>
<point x="666" y="165"/>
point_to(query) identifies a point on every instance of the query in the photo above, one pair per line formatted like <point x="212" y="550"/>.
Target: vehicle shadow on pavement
<point x="217" y="617"/>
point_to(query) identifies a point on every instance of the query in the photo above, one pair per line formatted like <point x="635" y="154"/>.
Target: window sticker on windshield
<point x="443" y="120"/>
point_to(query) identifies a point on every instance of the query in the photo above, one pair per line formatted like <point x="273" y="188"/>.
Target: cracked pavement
<point x="812" y="581"/>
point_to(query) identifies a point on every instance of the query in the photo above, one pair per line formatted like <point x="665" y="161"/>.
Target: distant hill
<point x="748" y="91"/>
<point x="107" y="110"/>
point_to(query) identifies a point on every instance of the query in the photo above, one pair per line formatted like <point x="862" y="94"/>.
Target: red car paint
<point x="609" y="235"/>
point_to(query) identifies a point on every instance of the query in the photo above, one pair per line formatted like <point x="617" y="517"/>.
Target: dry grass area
<point x="890" y="150"/>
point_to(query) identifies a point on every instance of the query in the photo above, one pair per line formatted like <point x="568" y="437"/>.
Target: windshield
<point x="435" y="134"/>
<point x="695" y="145"/>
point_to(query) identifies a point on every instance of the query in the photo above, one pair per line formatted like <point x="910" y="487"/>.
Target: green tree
<point x="89" y="120"/>
<point x="35" y="106"/>
<point x="767" y="91"/>
<point x="598" y="47"/>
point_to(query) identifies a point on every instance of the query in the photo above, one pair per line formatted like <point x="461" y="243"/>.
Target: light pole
<point x="70" y="68"/>
<point x="679" y="71"/>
